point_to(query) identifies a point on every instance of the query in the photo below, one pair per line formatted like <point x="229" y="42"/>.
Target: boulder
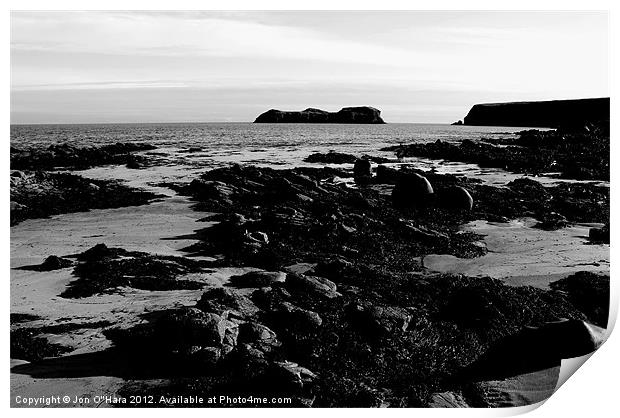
<point x="332" y="157"/>
<point x="319" y="286"/>
<point x="55" y="263"/>
<point x="258" y="279"/>
<point x="386" y="175"/>
<point x="362" y="170"/>
<point x="289" y="377"/>
<point x="187" y="327"/>
<point x="214" y="190"/>
<point x="599" y="234"/>
<point x="552" y="221"/>
<point x="412" y="190"/>
<point x="220" y="300"/>
<point x="205" y="356"/>
<point x="258" y="335"/>
<point x="456" y="197"/>
<point x="296" y="319"/>
<point x="380" y="320"/>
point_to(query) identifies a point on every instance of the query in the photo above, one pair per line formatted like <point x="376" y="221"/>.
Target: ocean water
<point x="185" y="149"/>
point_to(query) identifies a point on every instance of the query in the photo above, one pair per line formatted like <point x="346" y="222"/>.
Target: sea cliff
<point x="544" y="114"/>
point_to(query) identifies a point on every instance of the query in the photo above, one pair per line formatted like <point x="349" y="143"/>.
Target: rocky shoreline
<point x="39" y="194"/>
<point x="581" y="155"/>
<point x="335" y="307"/>
<point x="69" y="156"/>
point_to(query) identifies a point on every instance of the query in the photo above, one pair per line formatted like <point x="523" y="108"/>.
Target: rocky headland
<point x="362" y="114"/>
<point x="544" y="114"/>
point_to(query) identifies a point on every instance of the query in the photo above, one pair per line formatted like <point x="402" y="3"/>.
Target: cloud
<point x="141" y="57"/>
<point x="169" y="35"/>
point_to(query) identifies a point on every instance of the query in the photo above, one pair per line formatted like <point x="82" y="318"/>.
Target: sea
<point x="183" y="149"/>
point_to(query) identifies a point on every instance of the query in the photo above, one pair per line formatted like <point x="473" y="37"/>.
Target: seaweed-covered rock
<point x="331" y="157"/>
<point x="52" y="262"/>
<point x="258" y="335"/>
<point x="221" y="300"/>
<point x="289" y="377"/>
<point x="77" y="157"/>
<point x="380" y="320"/>
<point x="589" y="292"/>
<point x="102" y="268"/>
<point x="314" y="284"/>
<point x="190" y="327"/>
<point x="258" y="279"/>
<point x="40" y="194"/>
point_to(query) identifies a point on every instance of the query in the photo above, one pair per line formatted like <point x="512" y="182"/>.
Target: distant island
<point x="362" y="114"/>
<point x="543" y="114"/>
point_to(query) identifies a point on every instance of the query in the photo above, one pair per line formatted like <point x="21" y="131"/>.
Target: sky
<point x="415" y="66"/>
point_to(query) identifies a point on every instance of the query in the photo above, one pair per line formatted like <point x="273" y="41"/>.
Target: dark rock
<point x="380" y="320"/>
<point x="386" y="175"/>
<point x="362" y="171"/>
<point x="103" y="269"/>
<point x="553" y="221"/>
<point x="190" y="327"/>
<point x="136" y="161"/>
<point x="332" y="157"/>
<point x="258" y="335"/>
<point x="100" y="251"/>
<point x="221" y="300"/>
<point x="270" y="299"/>
<point x="589" y="292"/>
<point x="582" y="155"/>
<point x="310" y="115"/>
<point x="40" y="194"/>
<point x="77" y="157"/>
<point x="545" y="114"/>
<point x="456" y="197"/>
<point x="186" y="328"/>
<point x="412" y="190"/>
<point x="314" y="284"/>
<point x="599" y="234"/>
<point x="296" y="319"/>
<point x="28" y="344"/>
<point x="289" y="377"/>
<point x="216" y="190"/>
<point x="51" y="263"/>
<point x="258" y="279"/>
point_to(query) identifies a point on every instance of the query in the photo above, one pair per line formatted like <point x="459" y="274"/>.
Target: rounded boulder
<point x="412" y="190"/>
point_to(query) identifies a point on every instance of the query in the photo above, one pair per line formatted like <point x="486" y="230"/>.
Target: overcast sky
<point x="82" y="67"/>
